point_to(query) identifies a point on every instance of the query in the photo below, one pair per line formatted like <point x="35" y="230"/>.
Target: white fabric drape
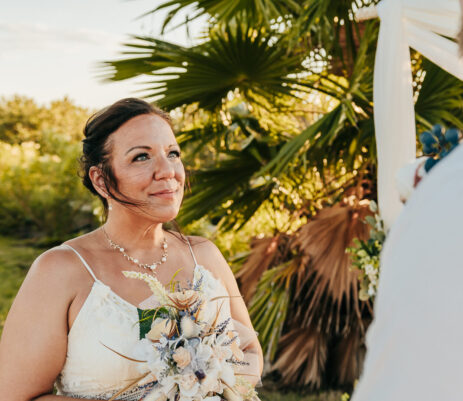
<point x="406" y="23"/>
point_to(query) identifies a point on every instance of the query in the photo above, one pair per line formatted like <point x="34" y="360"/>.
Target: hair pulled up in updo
<point x="96" y="149"/>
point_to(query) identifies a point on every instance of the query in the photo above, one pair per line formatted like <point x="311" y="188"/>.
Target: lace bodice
<point x="93" y="371"/>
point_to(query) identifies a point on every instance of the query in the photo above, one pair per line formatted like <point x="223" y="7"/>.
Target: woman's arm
<point x="211" y="256"/>
<point x="34" y="340"/>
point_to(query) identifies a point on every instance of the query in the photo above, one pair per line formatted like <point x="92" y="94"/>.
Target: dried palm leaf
<point x="346" y="357"/>
<point x="327" y="293"/>
<point x="303" y="357"/>
<point x="315" y="282"/>
<point x="265" y="253"/>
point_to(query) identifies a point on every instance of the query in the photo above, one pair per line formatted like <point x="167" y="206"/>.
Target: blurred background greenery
<point x="273" y="109"/>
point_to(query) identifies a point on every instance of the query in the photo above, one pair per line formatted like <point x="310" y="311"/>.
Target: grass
<point x="16" y="256"/>
<point x="15" y="259"/>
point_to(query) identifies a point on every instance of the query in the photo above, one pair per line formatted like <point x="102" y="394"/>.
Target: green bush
<point x="40" y="192"/>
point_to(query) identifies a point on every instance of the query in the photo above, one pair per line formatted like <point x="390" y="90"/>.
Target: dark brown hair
<point x="96" y="147"/>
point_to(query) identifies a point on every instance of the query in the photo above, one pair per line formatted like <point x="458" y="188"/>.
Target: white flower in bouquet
<point x="369" y="269"/>
<point x="189" y="328"/>
<point x="201" y="352"/>
<point x="227" y="375"/>
<point x="182" y="357"/>
<point x="211" y="383"/>
<point x="145" y="350"/>
<point x="160" y="327"/>
<point x="184" y="299"/>
<point x="188" y="384"/>
<point x="222" y="353"/>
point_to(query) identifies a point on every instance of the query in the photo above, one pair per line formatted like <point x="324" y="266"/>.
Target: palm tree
<point x="252" y="81"/>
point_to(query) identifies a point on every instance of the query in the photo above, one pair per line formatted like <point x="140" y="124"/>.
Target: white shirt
<point x="415" y="343"/>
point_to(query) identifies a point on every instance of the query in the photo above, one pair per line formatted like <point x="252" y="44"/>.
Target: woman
<point x="75" y="297"/>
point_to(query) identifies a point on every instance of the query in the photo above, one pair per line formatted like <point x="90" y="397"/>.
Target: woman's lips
<point x="167" y="194"/>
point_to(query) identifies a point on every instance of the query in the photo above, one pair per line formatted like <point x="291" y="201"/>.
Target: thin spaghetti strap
<point x="191" y="250"/>
<point x="83" y="261"/>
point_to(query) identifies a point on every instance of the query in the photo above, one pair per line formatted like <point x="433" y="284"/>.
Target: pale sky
<point x="49" y="48"/>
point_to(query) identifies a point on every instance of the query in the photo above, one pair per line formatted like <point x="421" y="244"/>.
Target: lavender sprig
<point x="229" y="342"/>
<point x="222" y="326"/>
<point x="198" y="284"/>
<point x="236" y="362"/>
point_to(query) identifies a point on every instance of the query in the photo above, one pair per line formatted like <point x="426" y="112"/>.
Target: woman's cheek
<point x="180" y="174"/>
<point x="180" y="195"/>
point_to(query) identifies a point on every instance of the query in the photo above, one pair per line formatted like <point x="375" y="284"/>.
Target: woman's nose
<point x="163" y="169"/>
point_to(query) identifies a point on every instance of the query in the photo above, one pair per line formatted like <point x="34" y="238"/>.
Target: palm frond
<point x="227" y="188"/>
<point x="347" y="128"/>
<point x="440" y="98"/>
<point x="224" y="11"/>
<point x="329" y="30"/>
<point x="268" y="311"/>
<point x="236" y="57"/>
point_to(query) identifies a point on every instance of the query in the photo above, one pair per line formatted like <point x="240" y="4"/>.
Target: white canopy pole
<point x="404" y="24"/>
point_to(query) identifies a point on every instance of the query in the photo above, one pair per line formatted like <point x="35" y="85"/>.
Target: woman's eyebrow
<point x="174" y="145"/>
<point x="137" y="147"/>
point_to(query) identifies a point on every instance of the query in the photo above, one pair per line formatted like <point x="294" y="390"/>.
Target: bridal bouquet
<point x="190" y="354"/>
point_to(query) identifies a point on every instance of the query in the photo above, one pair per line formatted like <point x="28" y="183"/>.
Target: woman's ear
<point x="97" y="179"/>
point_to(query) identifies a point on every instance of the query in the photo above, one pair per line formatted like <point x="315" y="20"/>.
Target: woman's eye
<point x="145" y="156"/>
<point x="175" y="153"/>
<point x="140" y="157"/>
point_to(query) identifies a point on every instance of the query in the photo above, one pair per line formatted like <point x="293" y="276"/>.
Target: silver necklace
<point x="151" y="266"/>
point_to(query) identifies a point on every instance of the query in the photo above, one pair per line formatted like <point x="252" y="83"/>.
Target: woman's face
<point x="145" y="159"/>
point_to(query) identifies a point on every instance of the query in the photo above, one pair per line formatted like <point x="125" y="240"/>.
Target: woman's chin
<point x="160" y="211"/>
<point x="164" y="214"/>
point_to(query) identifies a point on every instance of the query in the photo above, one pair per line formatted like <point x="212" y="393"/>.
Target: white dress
<point x="93" y="371"/>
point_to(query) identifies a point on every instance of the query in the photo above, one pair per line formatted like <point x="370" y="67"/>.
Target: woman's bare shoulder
<point x="61" y="265"/>
<point x="202" y="245"/>
<point x="209" y="255"/>
<point x="53" y="261"/>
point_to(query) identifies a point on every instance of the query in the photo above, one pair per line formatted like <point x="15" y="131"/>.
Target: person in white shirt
<point x="415" y="343"/>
